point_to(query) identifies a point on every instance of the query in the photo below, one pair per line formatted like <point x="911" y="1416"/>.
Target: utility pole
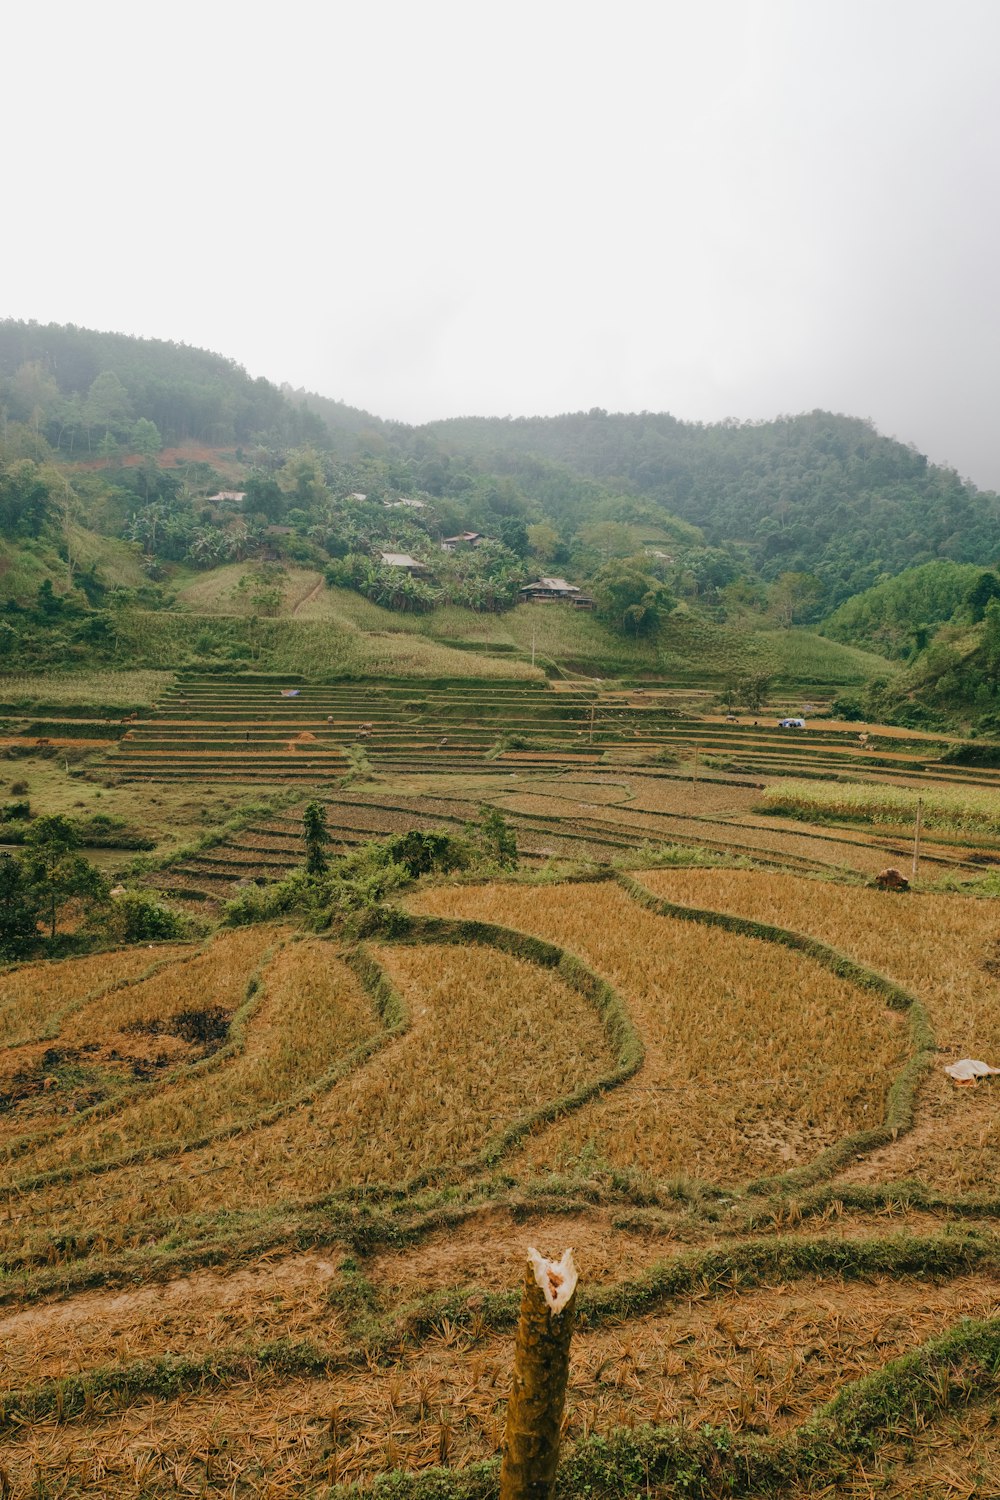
<point x="694" y="778"/>
<point x="532" y="646"/>
<point x="916" y="838"/>
<point x="591" y="739"/>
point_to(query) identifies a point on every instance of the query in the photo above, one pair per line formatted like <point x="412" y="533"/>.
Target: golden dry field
<point x="265" y="1195"/>
<point x="734" y="1083"/>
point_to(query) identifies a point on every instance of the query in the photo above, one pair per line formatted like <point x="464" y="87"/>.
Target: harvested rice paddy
<point x="264" y="1196"/>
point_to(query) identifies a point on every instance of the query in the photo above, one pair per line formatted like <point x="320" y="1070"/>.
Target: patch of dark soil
<point x="206" y="1028"/>
<point x="63" y="1072"/>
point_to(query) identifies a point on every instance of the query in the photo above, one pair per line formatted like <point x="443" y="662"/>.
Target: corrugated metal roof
<point x="557" y="585"/>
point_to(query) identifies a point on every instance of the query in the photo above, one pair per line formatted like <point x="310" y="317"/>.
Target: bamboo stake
<point x="541" y="1369"/>
<point x="916" y="838"/>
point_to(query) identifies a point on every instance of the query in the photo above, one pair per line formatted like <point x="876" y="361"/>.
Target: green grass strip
<point x="713" y="1272"/>
<point x="164" y="1377"/>
<point x="894" y="1197"/>
<point x="231" y="1237"/>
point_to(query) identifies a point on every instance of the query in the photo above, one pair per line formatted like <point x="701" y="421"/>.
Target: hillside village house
<point x="554" y="591"/>
<point x="401" y="560"/>
<point x="271" y="543"/>
<point x="230" y="497"/>
<point x="464" y="539"/>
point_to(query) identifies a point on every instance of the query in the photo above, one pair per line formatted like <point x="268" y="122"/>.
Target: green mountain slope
<point x="78" y="386"/>
<point x="898" y="615"/>
<point x="817" y="493"/>
<point x="130" y="469"/>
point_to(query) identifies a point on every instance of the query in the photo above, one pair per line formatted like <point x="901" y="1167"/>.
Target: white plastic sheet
<point x="969" y="1069"/>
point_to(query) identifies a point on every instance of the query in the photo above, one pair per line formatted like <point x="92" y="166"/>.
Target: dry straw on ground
<point x="757" y="1058"/>
<point x="758" y="1362"/>
<point x="945" y="949"/>
<point x="482" y="1050"/>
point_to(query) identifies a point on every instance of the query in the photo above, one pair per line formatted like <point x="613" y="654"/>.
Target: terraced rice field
<point x="253" y="726"/>
<point x="264" y="1197"/>
<point x="717" y="1098"/>
<point x="598" y="814"/>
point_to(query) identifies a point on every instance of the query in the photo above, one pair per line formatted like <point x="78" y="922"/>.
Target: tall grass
<point x="307" y="647"/>
<point x="216" y="592"/>
<point x="964" y="809"/>
<point x="117" y="563"/>
<point x="100" y="688"/>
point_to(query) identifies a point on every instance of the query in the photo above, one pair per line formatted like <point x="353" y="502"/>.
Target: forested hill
<point x="81" y="388"/>
<point x="815" y="493"/>
<point x="820" y="496"/>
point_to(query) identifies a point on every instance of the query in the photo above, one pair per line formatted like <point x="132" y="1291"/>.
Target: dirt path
<point x="308" y="598"/>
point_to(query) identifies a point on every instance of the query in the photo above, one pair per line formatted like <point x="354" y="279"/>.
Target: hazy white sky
<point x="710" y="207"/>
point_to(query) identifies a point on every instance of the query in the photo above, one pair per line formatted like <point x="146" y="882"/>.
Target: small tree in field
<point x="498" y="838"/>
<point x="56" y="870"/>
<point x="754" y="689"/>
<point x="137" y="917"/>
<point x="20" y="906"/>
<point x="314" y="831"/>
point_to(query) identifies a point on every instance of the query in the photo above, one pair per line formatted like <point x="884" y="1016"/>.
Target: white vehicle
<point x="791" y="723"/>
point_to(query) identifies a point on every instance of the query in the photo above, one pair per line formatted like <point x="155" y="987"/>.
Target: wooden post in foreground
<point x="541" y="1368"/>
